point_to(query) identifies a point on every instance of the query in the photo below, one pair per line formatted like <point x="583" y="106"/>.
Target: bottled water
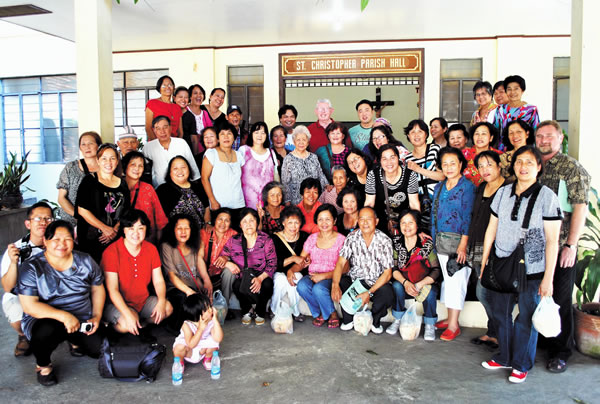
<point x="215" y="371"/>
<point x="177" y="372"/>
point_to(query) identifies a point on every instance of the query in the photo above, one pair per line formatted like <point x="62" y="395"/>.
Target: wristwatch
<point x="571" y="246"/>
<point x="370" y="295"/>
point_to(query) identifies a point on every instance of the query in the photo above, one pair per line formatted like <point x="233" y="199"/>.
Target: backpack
<point x="131" y="362"/>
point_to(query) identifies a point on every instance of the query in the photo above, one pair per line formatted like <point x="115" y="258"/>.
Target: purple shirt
<point x="261" y="257"/>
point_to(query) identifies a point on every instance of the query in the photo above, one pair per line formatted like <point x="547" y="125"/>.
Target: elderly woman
<point x="380" y="135"/>
<point x="270" y="212"/>
<point x="518" y="338"/>
<point x="391" y="189"/>
<point x="500" y="97"/>
<point x="163" y="106"/>
<point x="488" y="164"/>
<point x="102" y="198"/>
<point x="260" y="164"/>
<point x="482" y="92"/>
<point x="209" y="140"/>
<point x="515" y="135"/>
<point x="351" y="200"/>
<point x="288" y="246"/>
<point x="252" y="259"/>
<point x="417" y="268"/>
<point x="336" y="151"/>
<point x="320" y="252"/>
<point x="515" y="108"/>
<point x="359" y="164"/>
<point x="222" y="174"/>
<point x="59" y="290"/>
<point x="72" y="175"/>
<point x="143" y="196"/>
<point x="180" y="195"/>
<point x="439" y="128"/>
<point x="450" y="220"/>
<point x="483" y="135"/>
<point x="458" y="136"/>
<point x="182" y="260"/>
<point x="299" y="165"/>
<point x="310" y="189"/>
<point x="215" y="101"/>
<point x="194" y="118"/>
<point x="339" y="180"/>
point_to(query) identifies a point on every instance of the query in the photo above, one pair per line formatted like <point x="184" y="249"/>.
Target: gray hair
<point x="324" y="101"/>
<point x="338" y="167"/>
<point x="300" y="130"/>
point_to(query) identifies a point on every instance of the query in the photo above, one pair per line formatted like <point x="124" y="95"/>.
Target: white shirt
<point x="19" y="244"/>
<point x="160" y="158"/>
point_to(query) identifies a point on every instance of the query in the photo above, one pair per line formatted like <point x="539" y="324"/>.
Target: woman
<point x="482" y="93"/>
<point x="59" y="290"/>
<point x="488" y="164"/>
<point x="391" y="189"/>
<point x="518" y="339"/>
<point x="352" y="201"/>
<point x="288" y="246"/>
<point x="359" y="165"/>
<point x="182" y="260"/>
<point x="181" y="97"/>
<point x="209" y="140"/>
<point x="222" y="174"/>
<point x="320" y="252"/>
<point x="381" y="135"/>
<point x="299" y="165"/>
<point x="458" y="136"/>
<point x="515" y="108"/>
<point x="260" y="164"/>
<point x="335" y="152"/>
<point x="339" y="178"/>
<point x="423" y="161"/>
<point x="73" y="173"/>
<point x="195" y="119"/>
<point x="483" y="136"/>
<point x="215" y="101"/>
<point x="278" y="138"/>
<point x="180" y="195"/>
<point x="450" y="219"/>
<point x="516" y="135"/>
<point x="252" y="259"/>
<point x="102" y="198"/>
<point x="500" y="97"/>
<point x="310" y="190"/>
<point x="439" y="128"/>
<point x="270" y="212"/>
<point x="417" y="267"/>
<point x="164" y="106"/>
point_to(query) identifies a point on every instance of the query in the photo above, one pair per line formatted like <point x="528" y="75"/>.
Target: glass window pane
<point x="59" y="83"/>
<point x="31" y="111"/>
<point x="469" y="105"/>
<point x="246" y="75"/>
<point x="256" y="104"/>
<point x="450" y="100"/>
<point x="562" y="67"/>
<point x="52" y="145"/>
<point x="118" y="102"/>
<point x="460" y="68"/>
<point x="562" y="100"/>
<point x="152" y="93"/>
<point x="12" y="112"/>
<point x="70" y="144"/>
<point x="118" y="80"/>
<point x="237" y="97"/>
<point x="51" y="114"/>
<point x="136" y="107"/>
<point x="13" y="142"/>
<point x="33" y="145"/>
<point x="69" y="109"/>
<point x="145" y="78"/>
<point x="23" y="85"/>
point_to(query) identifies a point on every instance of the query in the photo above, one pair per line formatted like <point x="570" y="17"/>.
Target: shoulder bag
<point x="445" y="242"/>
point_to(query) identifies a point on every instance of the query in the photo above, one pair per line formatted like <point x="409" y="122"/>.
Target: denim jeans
<point x="517" y="340"/>
<point x="484" y="297"/>
<point x="317" y="296"/>
<point x="429" y="305"/>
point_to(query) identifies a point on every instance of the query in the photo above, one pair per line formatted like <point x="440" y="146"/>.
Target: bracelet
<point x="403" y="282"/>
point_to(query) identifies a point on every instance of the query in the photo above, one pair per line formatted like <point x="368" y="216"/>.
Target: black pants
<point x="260" y="299"/>
<point x="48" y="333"/>
<point x="382" y="300"/>
<point x="175" y="320"/>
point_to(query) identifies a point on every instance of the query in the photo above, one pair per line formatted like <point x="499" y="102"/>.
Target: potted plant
<point x="587" y="312"/>
<point x="11" y="180"/>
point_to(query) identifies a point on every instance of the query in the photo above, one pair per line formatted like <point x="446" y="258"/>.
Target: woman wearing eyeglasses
<point x="164" y="106"/>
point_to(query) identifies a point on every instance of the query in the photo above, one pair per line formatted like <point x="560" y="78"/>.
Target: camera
<point x="86" y="327"/>
<point x="25" y="252"/>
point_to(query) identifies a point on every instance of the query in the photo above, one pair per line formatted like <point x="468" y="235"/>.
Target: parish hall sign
<point x="355" y="63"/>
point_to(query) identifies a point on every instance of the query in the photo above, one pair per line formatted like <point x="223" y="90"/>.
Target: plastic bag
<point x="220" y="305"/>
<point x="410" y="325"/>
<point x="546" y="318"/>
<point x="363" y="320"/>
<point x="282" y="322"/>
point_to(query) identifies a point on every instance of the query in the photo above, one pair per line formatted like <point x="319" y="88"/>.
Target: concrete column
<point x="93" y="39"/>
<point x="584" y="141"/>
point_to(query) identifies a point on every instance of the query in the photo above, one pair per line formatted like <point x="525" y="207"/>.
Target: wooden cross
<point x="379" y="105"/>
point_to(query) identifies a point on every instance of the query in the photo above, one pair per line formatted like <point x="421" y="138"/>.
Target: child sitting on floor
<point x="200" y="333"/>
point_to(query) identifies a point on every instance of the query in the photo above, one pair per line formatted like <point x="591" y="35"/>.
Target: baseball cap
<point x="233" y="108"/>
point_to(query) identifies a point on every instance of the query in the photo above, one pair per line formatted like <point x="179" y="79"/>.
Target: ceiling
<point x="167" y="24"/>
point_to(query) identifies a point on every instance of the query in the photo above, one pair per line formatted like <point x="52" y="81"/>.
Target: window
<point x="560" y="107"/>
<point x="245" y="89"/>
<point x="457" y="78"/>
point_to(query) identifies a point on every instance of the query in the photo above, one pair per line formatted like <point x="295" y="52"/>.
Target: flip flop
<point x="333" y="322"/>
<point x="556" y="365"/>
<point x="318" y="321"/>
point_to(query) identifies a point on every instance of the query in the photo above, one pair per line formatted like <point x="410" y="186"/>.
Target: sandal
<point x="46" y="380"/>
<point x="556" y="365"/>
<point x="299" y="318"/>
<point x="22" y="347"/>
<point x="334" y="322"/>
<point x="318" y="321"/>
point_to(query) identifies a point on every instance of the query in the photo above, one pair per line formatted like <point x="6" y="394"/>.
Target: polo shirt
<point x="319" y="138"/>
<point x="160" y="158"/>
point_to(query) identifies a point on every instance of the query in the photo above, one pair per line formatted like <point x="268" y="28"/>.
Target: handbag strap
<point x="529" y="210"/>
<point x="285" y="242"/>
<point x="388" y="210"/>
<point x="135" y="197"/>
<point x="210" y="247"/>
<point x="436" y="204"/>
<point x="188" y="267"/>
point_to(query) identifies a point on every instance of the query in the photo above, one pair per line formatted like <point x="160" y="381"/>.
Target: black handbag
<point x="247" y="273"/>
<point x="131" y="362"/>
<point x="509" y="274"/>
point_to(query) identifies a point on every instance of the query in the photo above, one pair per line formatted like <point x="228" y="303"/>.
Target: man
<point x="234" y="117"/>
<point x="571" y="182"/>
<point x="318" y="136"/>
<point x="39" y="216"/>
<point x="128" y="142"/>
<point x="162" y="149"/>
<point x="287" y="118"/>
<point x="370" y="255"/>
<point x="361" y="133"/>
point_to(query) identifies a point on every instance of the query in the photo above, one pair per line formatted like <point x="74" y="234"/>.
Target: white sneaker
<point x="247" y="318"/>
<point x="377" y="330"/>
<point x="429" y="334"/>
<point x="347" y="327"/>
<point x="517" y="376"/>
<point x="259" y="320"/>
<point x="393" y="328"/>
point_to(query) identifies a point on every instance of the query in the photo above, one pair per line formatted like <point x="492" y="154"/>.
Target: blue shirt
<point x="454" y="208"/>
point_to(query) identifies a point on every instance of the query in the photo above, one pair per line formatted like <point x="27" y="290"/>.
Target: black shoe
<point x="230" y="315"/>
<point x="77" y="352"/>
<point x="299" y="318"/>
<point x="46" y="380"/>
<point x="556" y="365"/>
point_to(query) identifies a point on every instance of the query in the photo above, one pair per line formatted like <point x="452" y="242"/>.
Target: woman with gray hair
<point x="299" y="165"/>
<point x="272" y="205"/>
<point x="340" y="180"/>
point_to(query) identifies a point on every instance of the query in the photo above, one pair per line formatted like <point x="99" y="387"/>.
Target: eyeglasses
<point x="166" y="86"/>
<point x="38" y="219"/>
<point x="354" y="160"/>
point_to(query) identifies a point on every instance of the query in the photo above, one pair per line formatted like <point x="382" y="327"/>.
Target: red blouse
<point x="171" y="111"/>
<point x="148" y="202"/>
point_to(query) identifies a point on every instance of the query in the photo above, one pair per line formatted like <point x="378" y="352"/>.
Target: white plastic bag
<point x="363" y="320"/>
<point x="220" y="305"/>
<point x="410" y="325"/>
<point x="282" y="322"/>
<point x="546" y="318"/>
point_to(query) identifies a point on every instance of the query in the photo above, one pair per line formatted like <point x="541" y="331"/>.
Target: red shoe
<point x="441" y="324"/>
<point x="517" y="376"/>
<point x="493" y="365"/>
<point x="448" y="335"/>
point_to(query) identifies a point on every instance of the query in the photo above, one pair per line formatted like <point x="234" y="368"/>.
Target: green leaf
<point x="363" y="4"/>
<point x="580" y="269"/>
<point x="593" y="278"/>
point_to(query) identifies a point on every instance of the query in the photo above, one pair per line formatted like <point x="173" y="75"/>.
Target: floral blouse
<point x="471" y="171"/>
<point x="270" y="224"/>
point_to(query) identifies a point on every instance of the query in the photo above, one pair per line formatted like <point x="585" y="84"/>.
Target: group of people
<point x="299" y="213"/>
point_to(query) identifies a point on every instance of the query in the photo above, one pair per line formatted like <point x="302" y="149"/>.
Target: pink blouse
<point x="322" y="260"/>
<point x="256" y="173"/>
